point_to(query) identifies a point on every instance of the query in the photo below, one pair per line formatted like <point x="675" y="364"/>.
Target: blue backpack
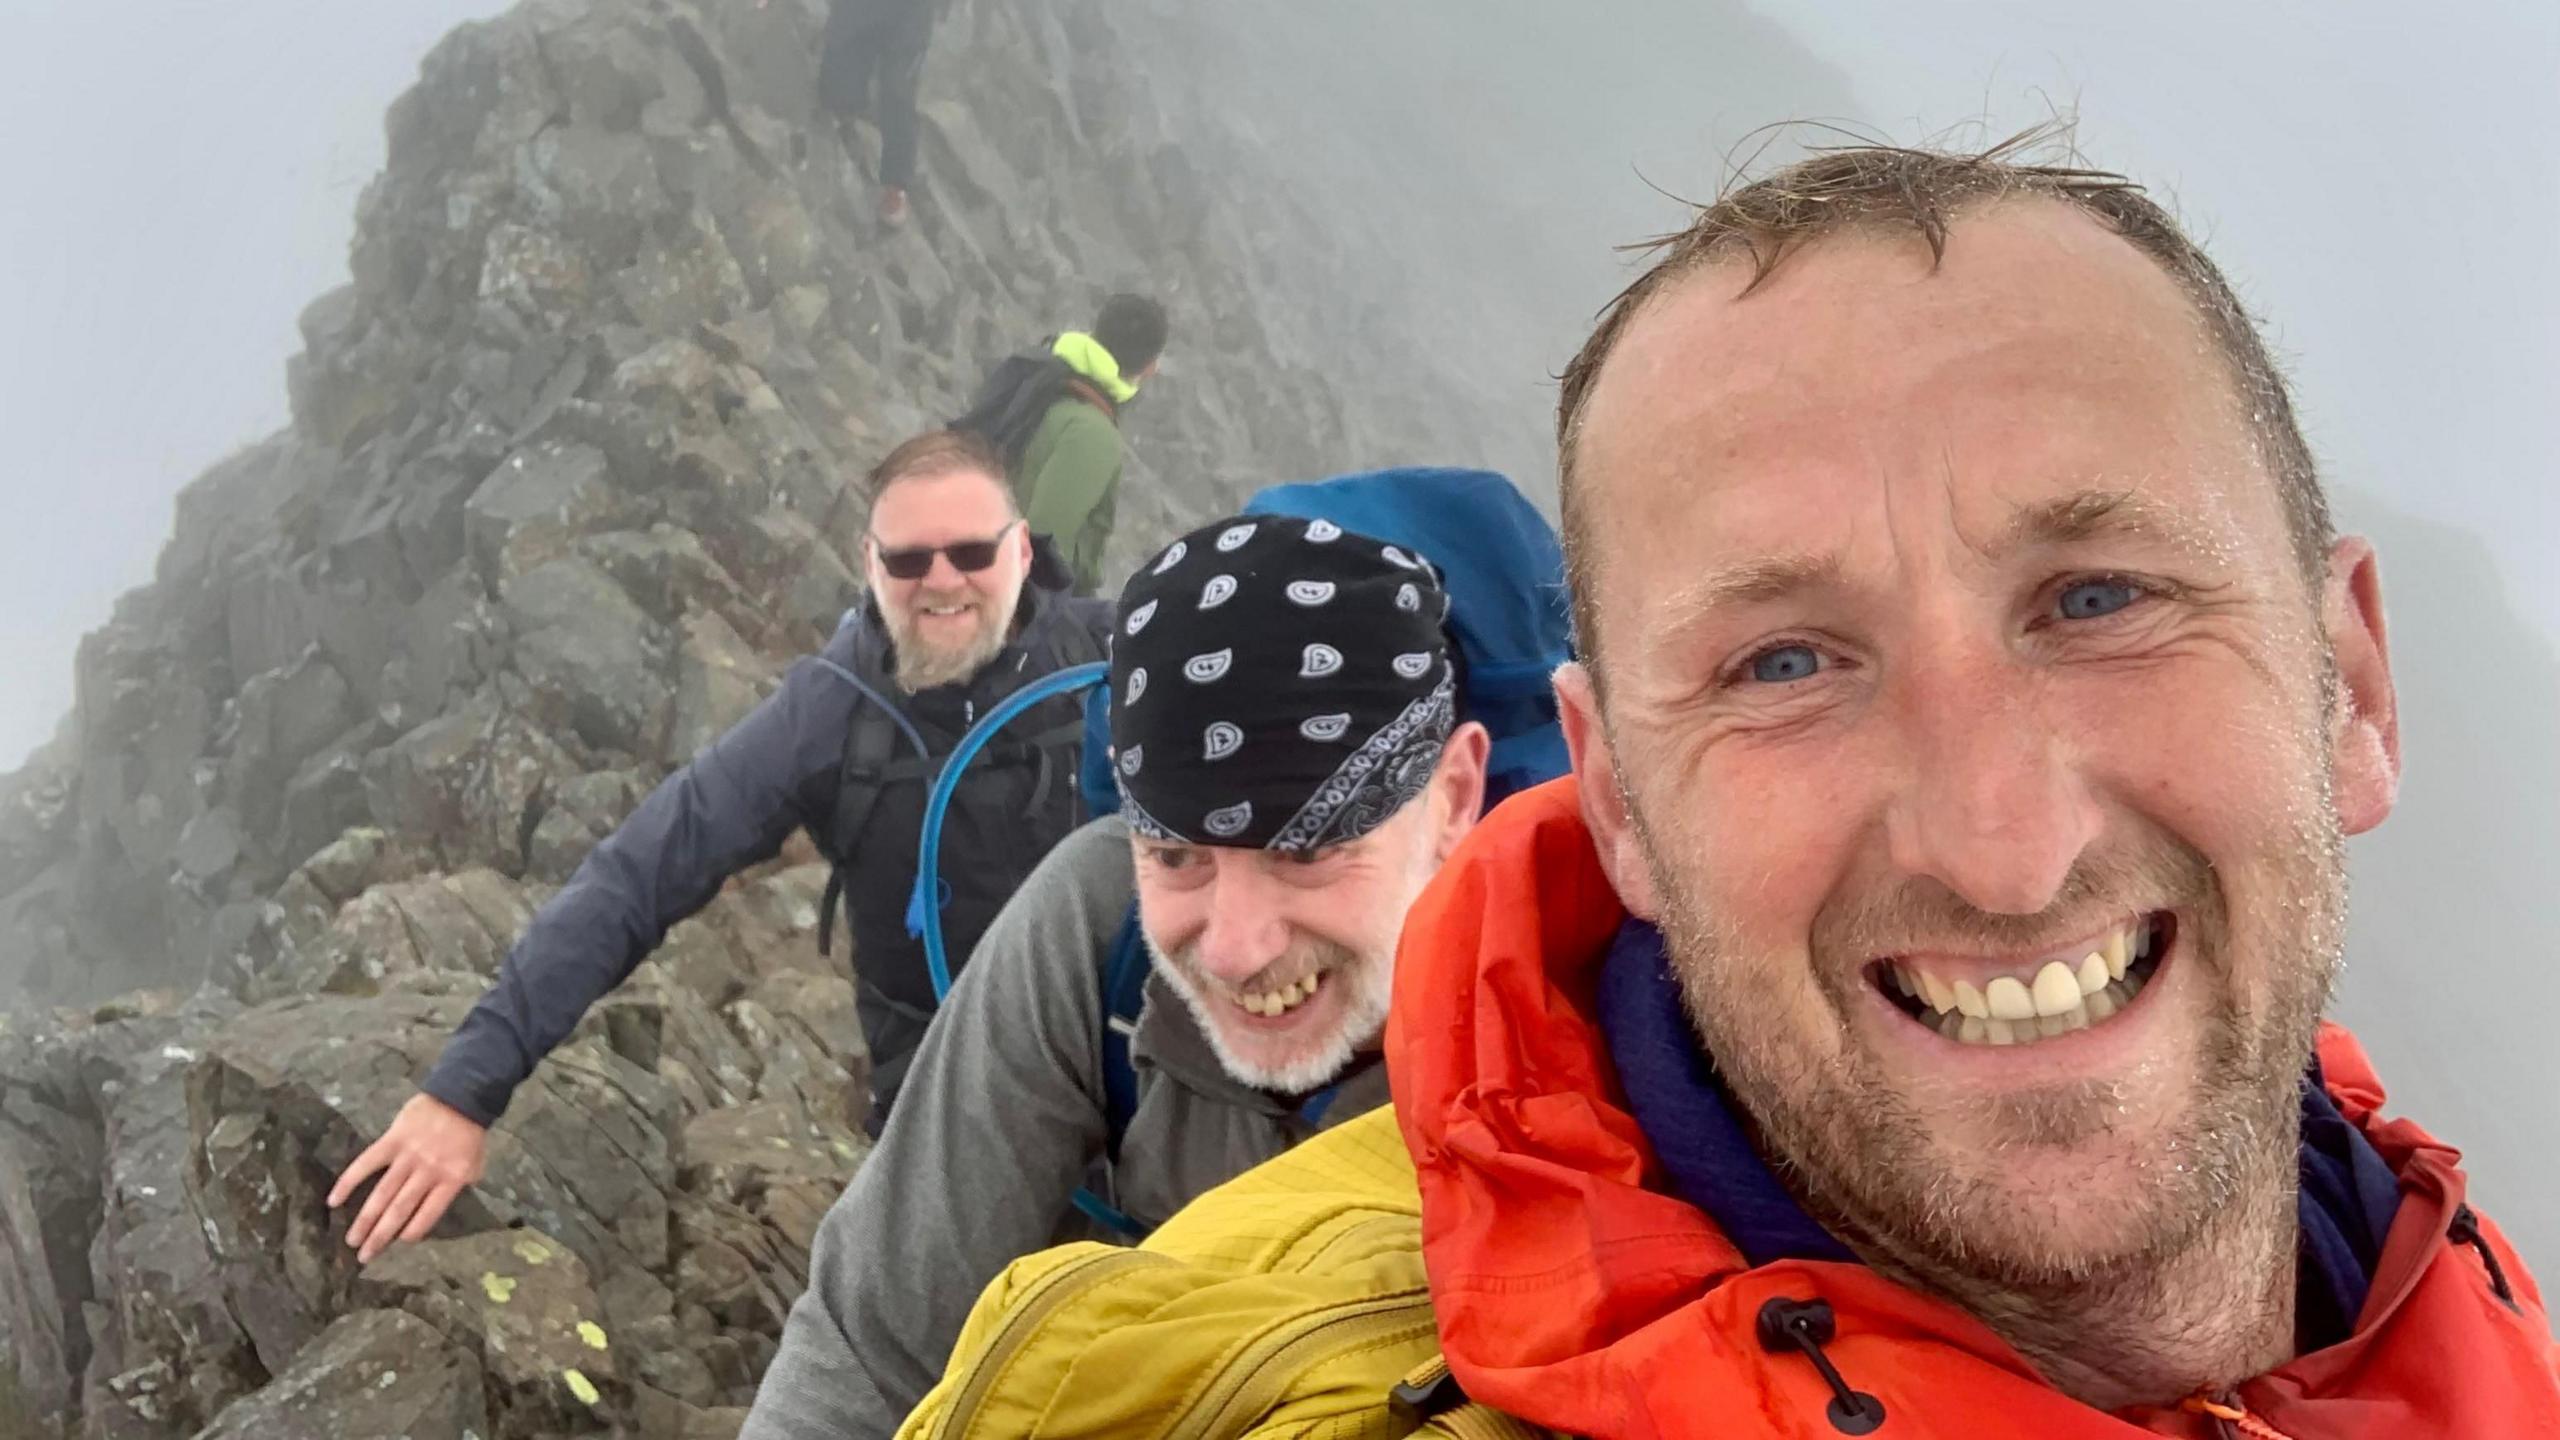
<point x="1504" y="571"/>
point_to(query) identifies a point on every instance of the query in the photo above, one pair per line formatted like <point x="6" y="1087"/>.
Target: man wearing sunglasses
<point x="965" y="607"/>
<point x="1300" y="736"/>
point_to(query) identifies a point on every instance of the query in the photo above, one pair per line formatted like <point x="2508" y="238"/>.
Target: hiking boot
<point x="893" y="206"/>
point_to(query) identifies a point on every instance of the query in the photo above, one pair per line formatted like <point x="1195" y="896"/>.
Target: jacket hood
<point x="1085" y="356"/>
<point x="1575" y="1290"/>
<point x="1049" y="571"/>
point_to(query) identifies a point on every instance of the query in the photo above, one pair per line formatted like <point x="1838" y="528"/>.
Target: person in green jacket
<point x="1068" y="478"/>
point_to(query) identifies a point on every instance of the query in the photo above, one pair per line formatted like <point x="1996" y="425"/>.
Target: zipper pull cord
<point x="1807" y="1325"/>
<point x="2465" y="1230"/>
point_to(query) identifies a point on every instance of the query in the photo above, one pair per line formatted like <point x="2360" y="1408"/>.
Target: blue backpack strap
<point x="1312" y="1109"/>
<point x="1124" y="994"/>
<point x="1111" y="1217"/>
<point x="1094" y="778"/>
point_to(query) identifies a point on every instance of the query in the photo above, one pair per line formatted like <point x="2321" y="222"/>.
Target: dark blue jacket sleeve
<point x="731" y="807"/>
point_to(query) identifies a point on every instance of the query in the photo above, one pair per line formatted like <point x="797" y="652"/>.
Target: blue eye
<point x="1784" y="664"/>
<point x="2096" y="599"/>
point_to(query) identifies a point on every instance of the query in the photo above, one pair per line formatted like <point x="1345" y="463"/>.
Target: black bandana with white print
<point x="1278" y="683"/>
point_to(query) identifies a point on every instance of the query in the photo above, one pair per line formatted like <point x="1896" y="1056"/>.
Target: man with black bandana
<point x="1293" y="772"/>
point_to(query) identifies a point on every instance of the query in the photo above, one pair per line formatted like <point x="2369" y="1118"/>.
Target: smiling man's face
<point x="1975" y="735"/>
<point x="948" y="622"/>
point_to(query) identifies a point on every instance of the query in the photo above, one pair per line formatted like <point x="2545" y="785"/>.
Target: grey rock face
<point x="591" y="658"/>
<point x="568" y="484"/>
<point x="519" y="1303"/>
<point x="372" y="1375"/>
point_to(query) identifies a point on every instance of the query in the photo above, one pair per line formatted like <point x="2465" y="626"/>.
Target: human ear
<point x="1460" y="782"/>
<point x="2364" y="719"/>
<point x="1604" y="800"/>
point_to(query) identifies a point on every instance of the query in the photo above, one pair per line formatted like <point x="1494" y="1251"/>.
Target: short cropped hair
<point x="1890" y="188"/>
<point x="936" y="453"/>
<point x="1132" y="328"/>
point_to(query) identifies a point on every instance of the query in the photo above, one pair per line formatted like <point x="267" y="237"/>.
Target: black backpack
<point x="1013" y="400"/>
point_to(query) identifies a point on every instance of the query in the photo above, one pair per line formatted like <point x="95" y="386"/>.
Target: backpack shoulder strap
<point x="1124" y="994"/>
<point x="1013" y="400"/>
<point x="871" y="764"/>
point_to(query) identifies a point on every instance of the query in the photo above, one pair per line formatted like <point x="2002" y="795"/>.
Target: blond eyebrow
<point x="1760" y="581"/>
<point x="2065" y="520"/>
<point x="2099" y="514"/>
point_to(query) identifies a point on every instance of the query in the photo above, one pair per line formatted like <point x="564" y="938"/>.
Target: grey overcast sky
<point x="180" y="180"/>
<point x="2383" y="180"/>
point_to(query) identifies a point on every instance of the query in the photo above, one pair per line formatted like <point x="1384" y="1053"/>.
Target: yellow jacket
<point x="1289" y="1301"/>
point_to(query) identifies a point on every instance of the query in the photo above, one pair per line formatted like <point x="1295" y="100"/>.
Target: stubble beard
<point x="2208" y="1214"/>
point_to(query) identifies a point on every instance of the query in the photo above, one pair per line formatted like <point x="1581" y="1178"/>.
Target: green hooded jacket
<point x="1069" y="479"/>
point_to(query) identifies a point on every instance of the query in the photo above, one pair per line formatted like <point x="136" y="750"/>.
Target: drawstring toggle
<point x="1808" y="1325"/>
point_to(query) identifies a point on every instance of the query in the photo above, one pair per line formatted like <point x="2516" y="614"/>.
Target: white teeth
<point x="2028" y="1030"/>
<point x="2092" y="974"/>
<point x="1971" y="1001"/>
<point x="2056" y="989"/>
<point x="2008" y="999"/>
<point x="2062" y="996"/>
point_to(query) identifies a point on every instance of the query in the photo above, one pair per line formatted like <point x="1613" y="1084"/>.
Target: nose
<point x="943" y="575"/>
<point x="1991" y="805"/>
<point x="1247" y="928"/>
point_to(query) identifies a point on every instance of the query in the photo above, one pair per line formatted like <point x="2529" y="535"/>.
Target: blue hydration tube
<point x="947" y="781"/>
<point x="929" y="878"/>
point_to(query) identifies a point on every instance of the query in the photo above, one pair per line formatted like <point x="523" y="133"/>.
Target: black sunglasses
<point x="968" y="557"/>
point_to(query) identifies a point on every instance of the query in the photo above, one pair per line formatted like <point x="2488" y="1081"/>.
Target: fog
<point x="2382" y="183"/>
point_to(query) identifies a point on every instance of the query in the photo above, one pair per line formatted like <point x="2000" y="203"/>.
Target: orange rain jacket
<point x="1574" y="1291"/>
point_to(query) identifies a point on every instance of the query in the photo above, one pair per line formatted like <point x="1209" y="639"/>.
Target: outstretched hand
<point x="427" y="1157"/>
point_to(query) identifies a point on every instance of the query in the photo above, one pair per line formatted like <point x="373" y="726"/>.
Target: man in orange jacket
<point x="1908" y="1021"/>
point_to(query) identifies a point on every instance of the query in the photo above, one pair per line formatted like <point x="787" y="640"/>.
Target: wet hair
<point x="936" y="453"/>
<point x="1886" y="188"/>
<point x="1132" y="328"/>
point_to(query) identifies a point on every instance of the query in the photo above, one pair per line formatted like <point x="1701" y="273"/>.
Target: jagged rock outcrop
<point x="566" y="487"/>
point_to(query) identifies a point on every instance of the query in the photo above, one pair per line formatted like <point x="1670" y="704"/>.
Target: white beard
<point x="1364" y="1018"/>
<point x="922" y="665"/>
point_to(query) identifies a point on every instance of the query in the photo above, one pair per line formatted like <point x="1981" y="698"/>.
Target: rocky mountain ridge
<point x="565" y="488"/>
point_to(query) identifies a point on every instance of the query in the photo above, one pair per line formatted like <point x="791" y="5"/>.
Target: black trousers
<point x="870" y="65"/>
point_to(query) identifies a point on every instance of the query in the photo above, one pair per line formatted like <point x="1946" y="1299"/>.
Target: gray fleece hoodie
<point x="1001" y="1119"/>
